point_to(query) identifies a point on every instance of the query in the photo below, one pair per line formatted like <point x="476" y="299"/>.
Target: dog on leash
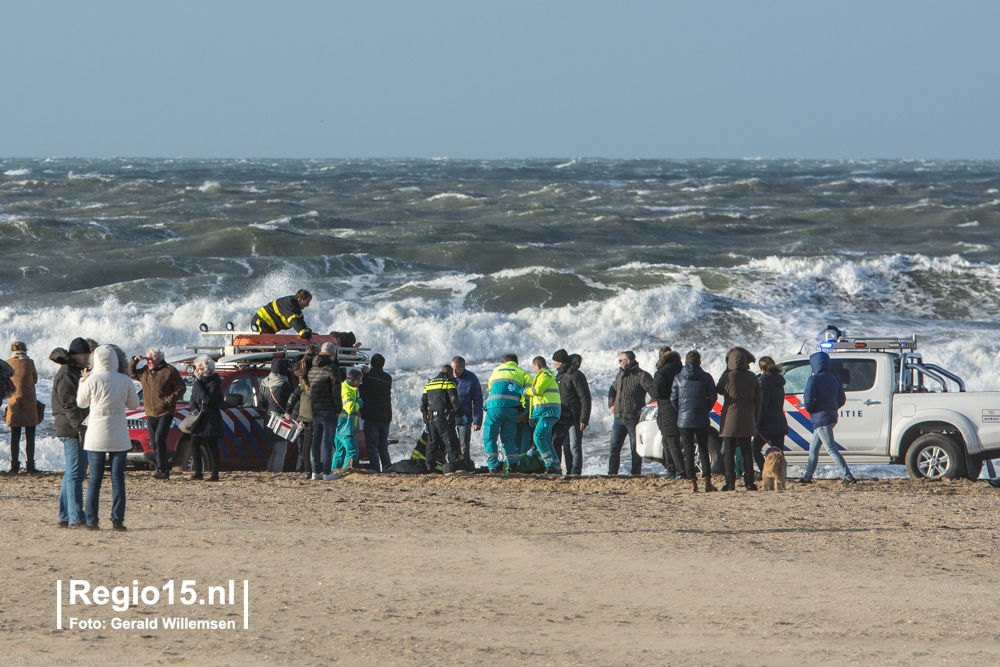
<point x="775" y="467"/>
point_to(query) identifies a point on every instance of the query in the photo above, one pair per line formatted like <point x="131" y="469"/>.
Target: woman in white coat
<point x="108" y="393"/>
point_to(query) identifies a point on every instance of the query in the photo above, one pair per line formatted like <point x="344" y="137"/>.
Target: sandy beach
<point x="461" y="569"/>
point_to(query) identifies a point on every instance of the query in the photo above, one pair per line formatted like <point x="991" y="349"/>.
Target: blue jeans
<point x="377" y="444"/>
<point x="619" y="429"/>
<point x="159" y="429"/>
<point x="96" y="460"/>
<point x="324" y="432"/>
<point x="464" y="432"/>
<point x="824" y="434"/>
<point x="71" y="491"/>
<point x="500" y="423"/>
<point x="573" y="450"/>
<point x="543" y="439"/>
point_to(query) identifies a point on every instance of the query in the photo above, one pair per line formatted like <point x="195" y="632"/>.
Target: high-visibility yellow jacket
<point x="506" y="387"/>
<point x="544" y="395"/>
<point x="281" y="314"/>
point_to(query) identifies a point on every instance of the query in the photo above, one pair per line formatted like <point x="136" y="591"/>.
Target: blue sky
<point x="882" y="79"/>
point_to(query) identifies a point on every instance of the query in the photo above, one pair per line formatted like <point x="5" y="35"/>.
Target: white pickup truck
<point x="891" y="414"/>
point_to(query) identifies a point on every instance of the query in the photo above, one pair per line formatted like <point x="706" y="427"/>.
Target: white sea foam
<point x="210" y="187"/>
<point x="452" y="195"/>
<point x="17" y="172"/>
<point x="974" y="223"/>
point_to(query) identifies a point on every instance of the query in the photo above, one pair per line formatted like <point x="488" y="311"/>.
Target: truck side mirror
<point x="233" y="400"/>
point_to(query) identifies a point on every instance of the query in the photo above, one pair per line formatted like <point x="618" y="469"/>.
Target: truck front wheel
<point x="934" y="456"/>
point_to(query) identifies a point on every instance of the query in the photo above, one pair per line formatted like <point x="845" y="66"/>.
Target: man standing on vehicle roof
<point x="470" y="395"/>
<point x="162" y="387"/>
<point x="285" y="313"/>
<point x="506" y="388"/>
<point x="823" y="398"/>
<point x="441" y="409"/>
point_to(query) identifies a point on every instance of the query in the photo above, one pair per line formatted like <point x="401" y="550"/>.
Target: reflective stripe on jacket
<point x="284" y="313"/>
<point x="507" y="384"/>
<point x="543" y="392"/>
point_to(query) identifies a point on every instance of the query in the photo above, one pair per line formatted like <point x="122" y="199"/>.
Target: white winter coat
<point x="107" y="393"/>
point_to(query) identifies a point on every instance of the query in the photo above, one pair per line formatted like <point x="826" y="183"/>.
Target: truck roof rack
<point x="843" y="344"/>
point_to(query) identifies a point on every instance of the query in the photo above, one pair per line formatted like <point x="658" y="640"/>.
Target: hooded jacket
<point x="772" y="406"/>
<point x="206" y="395"/>
<point x="574" y="390"/>
<point x="667" y="369"/>
<point x="693" y="397"/>
<point x="324" y="386"/>
<point x="66" y="413"/>
<point x="22" y="407"/>
<point x="108" y="394"/>
<point x="741" y="389"/>
<point x="275" y="389"/>
<point x="162" y="387"/>
<point x="627" y="394"/>
<point x="824" y="394"/>
<point x="376" y="392"/>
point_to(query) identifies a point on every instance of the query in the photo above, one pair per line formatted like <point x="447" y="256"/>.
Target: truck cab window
<point x="243" y="385"/>
<point x="855" y="374"/>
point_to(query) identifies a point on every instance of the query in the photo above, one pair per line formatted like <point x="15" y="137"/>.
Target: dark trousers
<point x="305" y="448"/>
<point x="159" y="428"/>
<point x="619" y="429"/>
<point x="263" y="327"/>
<point x="209" y="445"/>
<point x="377" y="444"/>
<point x="729" y="456"/>
<point x="758" y="447"/>
<point x="29" y="448"/>
<point x="673" y="460"/>
<point x="687" y="437"/>
<point x="567" y="438"/>
<point x="441" y="434"/>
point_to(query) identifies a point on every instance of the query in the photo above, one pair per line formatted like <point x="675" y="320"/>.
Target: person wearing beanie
<point x="69" y="419"/>
<point x="376" y="411"/>
<point x="22" y="408"/>
<point x="667" y="368"/>
<point x="574" y="395"/>
<point x="325" y="398"/>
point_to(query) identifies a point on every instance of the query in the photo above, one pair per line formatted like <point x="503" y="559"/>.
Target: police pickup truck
<point x="899" y="410"/>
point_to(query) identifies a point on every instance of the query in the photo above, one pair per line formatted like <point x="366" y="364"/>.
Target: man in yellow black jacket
<point x="545" y="410"/>
<point x="285" y="313"/>
<point x="441" y="408"/>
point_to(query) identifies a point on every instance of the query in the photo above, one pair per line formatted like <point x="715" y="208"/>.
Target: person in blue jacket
<point x="823" y="398"/>
<point x="470" y="396"/>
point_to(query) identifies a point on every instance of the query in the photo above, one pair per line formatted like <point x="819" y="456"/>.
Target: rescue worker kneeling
<point x="347" y="423"/>
<point x="285" y="313"/>
<point x="546" y="407"/>
<point x="506" y="388"/>
<point x="441" y="408"/>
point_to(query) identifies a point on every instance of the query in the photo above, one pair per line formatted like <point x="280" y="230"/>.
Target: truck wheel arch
<point x="952" y="424"/>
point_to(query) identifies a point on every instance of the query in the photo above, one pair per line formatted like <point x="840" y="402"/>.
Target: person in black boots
<point x="693" y="396"/>
<point x="440" y="407"/>
<point x="667" y="369"/>
<point x="773" y="425"/>
<point x="206" y="397"/>
<point x="376" y="410"/>
<point x="740" y="415"/>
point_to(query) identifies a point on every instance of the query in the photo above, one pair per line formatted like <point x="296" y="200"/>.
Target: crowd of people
<point x="537" y="418"/>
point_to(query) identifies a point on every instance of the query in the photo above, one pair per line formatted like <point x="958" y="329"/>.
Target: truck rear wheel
<point x="934" y="456"/>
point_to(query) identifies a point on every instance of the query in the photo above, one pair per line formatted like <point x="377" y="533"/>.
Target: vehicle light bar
<point x="872" y="344"/>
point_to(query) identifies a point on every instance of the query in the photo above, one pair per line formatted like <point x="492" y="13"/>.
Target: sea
<point x="427" y="259"/>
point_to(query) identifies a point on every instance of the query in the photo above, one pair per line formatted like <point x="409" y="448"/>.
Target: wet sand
<point x="463" y="569"/>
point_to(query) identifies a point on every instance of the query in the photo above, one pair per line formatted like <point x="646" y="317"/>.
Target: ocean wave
<point x="17" y="172"/>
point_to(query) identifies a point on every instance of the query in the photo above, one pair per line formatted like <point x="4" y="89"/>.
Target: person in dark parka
<point x="626" y="399"/>
<point x="823" y="397"/>
<point x="667" y="368"/>
<point x="773" y="425"/>
<point x="575" y="399"/>
<point x="739" y="418"/>
<point x="693" y="397"/>
<point x="376" y="410"/>
<point x="206" y="397"/>
<point x="69" y="418"/>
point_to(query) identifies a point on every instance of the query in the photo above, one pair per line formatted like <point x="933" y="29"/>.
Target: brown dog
<point x="775" y="467"/>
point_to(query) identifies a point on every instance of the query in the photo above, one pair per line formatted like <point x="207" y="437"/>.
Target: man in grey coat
<point x="626" y="399"/>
